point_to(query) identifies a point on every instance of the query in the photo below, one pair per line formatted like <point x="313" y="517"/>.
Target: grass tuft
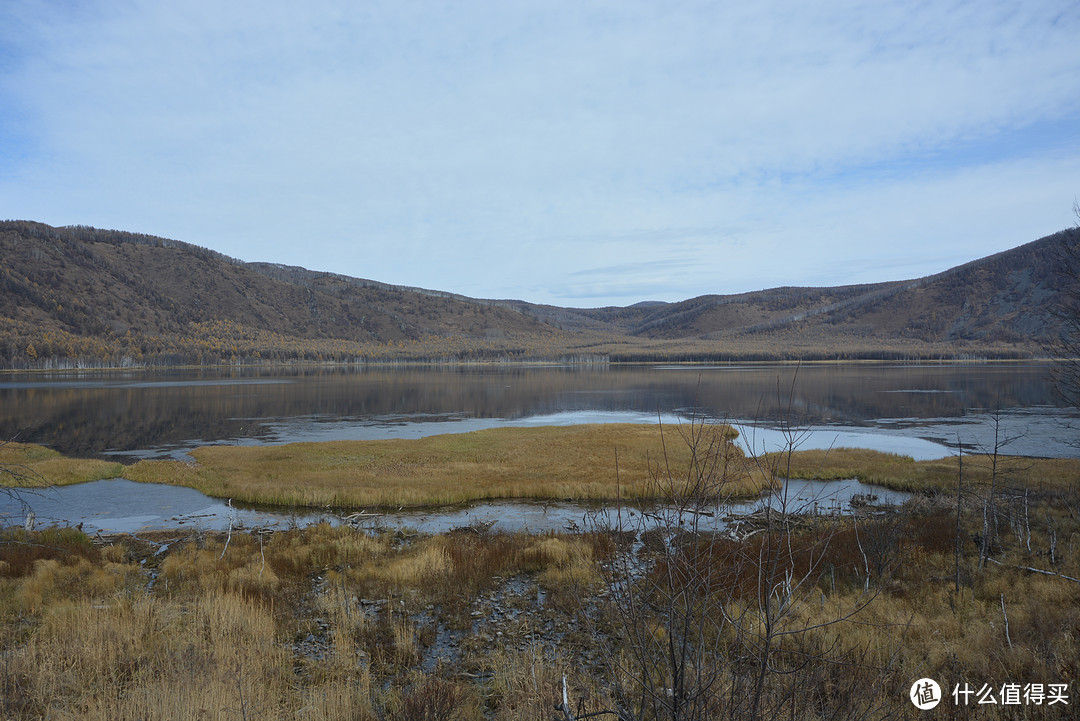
<point x="26" y="465"/>
<point x="902" y="473"/>
<point x="554" y="462"/>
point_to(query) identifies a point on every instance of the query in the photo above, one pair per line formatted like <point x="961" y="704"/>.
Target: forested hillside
<point x="82" y="292"/>
<point x="82" y="296"/>
<point x="1003" y="298"/>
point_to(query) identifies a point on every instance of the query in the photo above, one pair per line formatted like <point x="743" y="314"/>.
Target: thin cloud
<point x="492" y="149"/>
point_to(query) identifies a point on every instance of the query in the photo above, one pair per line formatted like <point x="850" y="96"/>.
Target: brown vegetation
<point x="29" y="465"/>
<point x="791" y="616"/>
<point x="321" y="622"/>
<point x="78" y="296"/>
<point x="555" y="462"/>
<point x="546" y="463"/>
<point x="902" y="473"/>
<point x="332" y="623"/>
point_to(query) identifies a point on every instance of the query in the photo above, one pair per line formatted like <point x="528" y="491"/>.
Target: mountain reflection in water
<point x="138" y="414"/>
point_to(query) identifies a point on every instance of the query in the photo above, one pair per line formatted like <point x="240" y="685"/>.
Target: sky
<point x="580" y="153"/>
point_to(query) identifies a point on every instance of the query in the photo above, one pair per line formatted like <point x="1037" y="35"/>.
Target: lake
<point x="921" y="410"/>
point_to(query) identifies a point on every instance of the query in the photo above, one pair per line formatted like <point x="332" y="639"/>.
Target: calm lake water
<point x="921" y="410"/>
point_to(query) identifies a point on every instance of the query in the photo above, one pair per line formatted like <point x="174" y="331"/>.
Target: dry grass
<point x="22" y="550"/>
<point x="566" y="462"/>
<point x="925" y="629"/>
<point x="330" y="623"/>
<point x="429" y="698"/>
<point x="142" y="658"/>
<point x="555" y="462"/>
<point x="911" y="623"/>
<point x="526" y="685"/>
<point x="25" y="465"/>
<point x="84" y="635"/>
<point x="903" y="473"/>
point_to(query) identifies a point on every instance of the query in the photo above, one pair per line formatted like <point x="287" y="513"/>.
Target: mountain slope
<point x="91" y="282"/>
<point x="1005" y="297"/>
<point x="77" y="293"/>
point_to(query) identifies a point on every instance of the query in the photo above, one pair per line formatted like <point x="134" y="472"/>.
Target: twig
<point x="160" y="548"/>
<point x="262" y="553"/>
<point x="1006" y="616"/>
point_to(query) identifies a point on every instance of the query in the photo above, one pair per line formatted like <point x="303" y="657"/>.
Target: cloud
<point x="496" y="149"/>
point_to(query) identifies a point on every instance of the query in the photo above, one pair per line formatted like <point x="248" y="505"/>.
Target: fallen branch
<point x="1034" y="570"/>
<point x="478" y="527"/>
<point x="159" y="547"/>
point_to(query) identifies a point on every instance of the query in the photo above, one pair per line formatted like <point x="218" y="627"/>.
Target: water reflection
<point x="157" y="414"/>
<point x="121" y="506"/>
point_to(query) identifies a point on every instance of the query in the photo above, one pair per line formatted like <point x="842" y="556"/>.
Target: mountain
<point x="80" y="295"/>
<point x="1004" y="297"/>
<point x="77" y="283"/>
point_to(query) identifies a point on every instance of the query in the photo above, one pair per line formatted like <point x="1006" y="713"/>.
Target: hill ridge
<point x="74" y="294"/>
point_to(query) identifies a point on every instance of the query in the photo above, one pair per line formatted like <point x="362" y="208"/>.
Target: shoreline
<point x="960" y="359"/>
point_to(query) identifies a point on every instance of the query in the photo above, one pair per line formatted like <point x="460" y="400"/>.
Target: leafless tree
<point x="18" y="483"/>
<point x="1001" y="504"/>
<point x="710" y="625"/>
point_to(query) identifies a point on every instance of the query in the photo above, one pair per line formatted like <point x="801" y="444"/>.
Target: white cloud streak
<point x="577" y="153"/>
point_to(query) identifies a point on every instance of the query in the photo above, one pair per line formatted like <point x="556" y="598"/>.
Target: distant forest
<point x="83" y="297"/>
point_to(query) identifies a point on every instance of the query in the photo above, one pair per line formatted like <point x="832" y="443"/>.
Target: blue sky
<point x="575" y="153"/>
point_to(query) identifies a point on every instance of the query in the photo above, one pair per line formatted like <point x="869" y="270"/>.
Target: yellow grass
<point x="555" y="462"/>
<point x="903" y="473"/>
<point x="214" y="637"/>
<point x="26" y="465"/>
<point x="545" y="463"/>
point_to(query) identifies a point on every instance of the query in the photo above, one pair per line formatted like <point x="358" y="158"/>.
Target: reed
<point x="905" y="474"/>
<point x="225" y="633"/>
<point x="26" y="465"/>
<point x="554" y="462"/>
<point x="142" y="658"/>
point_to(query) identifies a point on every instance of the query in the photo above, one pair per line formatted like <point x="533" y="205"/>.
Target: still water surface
<point x="920" y="410"/>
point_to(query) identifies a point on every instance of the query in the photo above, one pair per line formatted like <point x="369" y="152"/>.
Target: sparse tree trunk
<point x="959" y="491"/>
<point x="709" y="627"/>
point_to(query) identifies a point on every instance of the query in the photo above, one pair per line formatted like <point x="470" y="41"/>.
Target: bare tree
<point x="1003" y="506"/>
<point x="958" y="544"/>
<point x="1000" y="470"/>
<point x="704" y="624"/>
<point x="17" y="483"/>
